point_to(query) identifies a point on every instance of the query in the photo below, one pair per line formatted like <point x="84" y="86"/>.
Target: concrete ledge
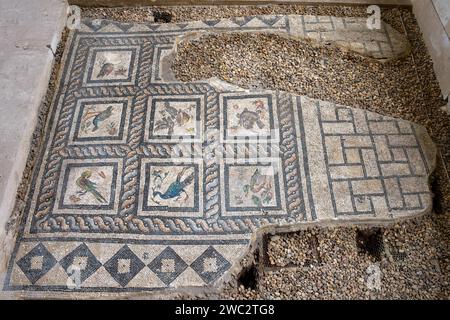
<point x="29" y="31"/>
<point x="118" y="3"/>
<point x="433" y="18"/>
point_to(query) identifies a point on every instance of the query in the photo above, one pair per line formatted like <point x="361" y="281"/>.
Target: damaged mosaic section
<point x="350" y="33"/>
<point x="147" y="184"/>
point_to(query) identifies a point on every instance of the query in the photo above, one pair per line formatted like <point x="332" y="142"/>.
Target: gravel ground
<point x="320" y="263"/>
<point x="414" y="264"/>
<point x="186" y="13"/>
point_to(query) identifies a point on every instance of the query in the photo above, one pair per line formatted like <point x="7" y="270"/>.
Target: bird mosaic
<point x="172" y="117"/>
<point x="100" y="117"/>
<point x="176" y="188"/>
<point x="88" y="186"/>
<point x="108" y="68"/>
<point x="260" y="188"/>
<point x="248" y="118"/>
<point x="105" y="70"/>
<point x="95" y="119"/>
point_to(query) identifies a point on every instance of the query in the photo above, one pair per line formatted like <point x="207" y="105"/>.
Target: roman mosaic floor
<point x="146" y="184"/>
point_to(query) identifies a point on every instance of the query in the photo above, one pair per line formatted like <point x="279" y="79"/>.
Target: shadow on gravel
<point x="370" y="241"/>
<point x="162" y="16"/>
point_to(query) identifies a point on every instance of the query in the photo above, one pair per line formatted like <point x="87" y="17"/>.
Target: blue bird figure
<point x="177" y="187"/>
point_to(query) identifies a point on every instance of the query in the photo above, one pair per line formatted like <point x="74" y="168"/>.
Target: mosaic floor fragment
<point x="146" y="183"/>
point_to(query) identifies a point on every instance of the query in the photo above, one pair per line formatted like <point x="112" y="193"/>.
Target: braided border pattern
<point x="289" y="156"/>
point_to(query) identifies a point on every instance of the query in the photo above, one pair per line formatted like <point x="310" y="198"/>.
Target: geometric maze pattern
<point x="372" y="159"/>
<point x="386" y="42"/>
<point x="144" y="183"/>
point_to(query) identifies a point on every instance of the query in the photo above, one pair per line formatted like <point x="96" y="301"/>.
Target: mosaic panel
<point x="145" y="184"/>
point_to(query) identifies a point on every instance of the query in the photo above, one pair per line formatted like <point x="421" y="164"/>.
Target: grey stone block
<point x="27" y="28"/>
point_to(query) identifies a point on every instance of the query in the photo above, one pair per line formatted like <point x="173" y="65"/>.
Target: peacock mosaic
<point x="146" y="183"/>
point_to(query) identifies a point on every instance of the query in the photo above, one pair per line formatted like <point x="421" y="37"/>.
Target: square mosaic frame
<point x="193" y="211"/>
<point x="131" y="72"/>
<point x="121" y="136"/>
